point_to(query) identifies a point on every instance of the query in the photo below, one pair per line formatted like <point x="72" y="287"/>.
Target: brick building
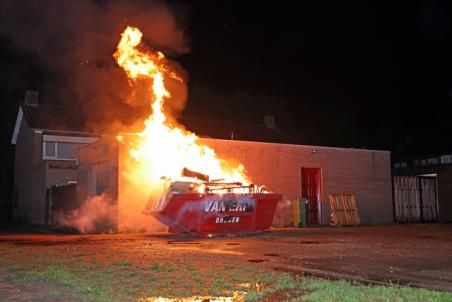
<point x="54" y="156"/>
<point x="292" y="170"/>
<point x="284" y="167"/>
<point x="46" y="140"/>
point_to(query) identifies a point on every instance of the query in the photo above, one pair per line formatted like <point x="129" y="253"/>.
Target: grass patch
<point x="323" y="290"/>
<point x="130" y="281"/>
<point x="57" y="293"/>
<point x="80" y="255"/>
<point x="123" y="264"/>
<point x="286" y="287"/>
<point x="228" y="266"/>
<point x="152" y="278"/>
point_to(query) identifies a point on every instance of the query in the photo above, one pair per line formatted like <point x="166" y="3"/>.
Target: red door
<point x="311" y="188"/>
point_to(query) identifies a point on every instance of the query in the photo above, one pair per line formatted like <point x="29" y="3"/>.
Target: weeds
<point x="123" y="264"/>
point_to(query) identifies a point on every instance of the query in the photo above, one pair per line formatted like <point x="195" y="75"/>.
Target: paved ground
<point x="416" y="255"/>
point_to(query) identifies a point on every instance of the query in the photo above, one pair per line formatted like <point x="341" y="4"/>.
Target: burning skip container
<point x="193" y="204"/>
<point x="216" y="210"/>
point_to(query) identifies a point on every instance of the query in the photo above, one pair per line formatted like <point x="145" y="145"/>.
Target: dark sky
<point x="362" y="74"/>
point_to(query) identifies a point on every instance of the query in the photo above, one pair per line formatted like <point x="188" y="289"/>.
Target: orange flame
<point x="163" y="149"/>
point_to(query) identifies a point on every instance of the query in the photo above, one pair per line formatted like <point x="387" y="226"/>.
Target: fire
<point x="163" y="149"/>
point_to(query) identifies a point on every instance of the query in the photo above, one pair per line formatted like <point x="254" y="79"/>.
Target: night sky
<point x="358" y="75"/>
<point x="364" y="75"/>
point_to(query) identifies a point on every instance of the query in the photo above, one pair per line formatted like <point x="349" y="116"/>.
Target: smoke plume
<point x="74" y="42"/>
<point x="95" y="214"/>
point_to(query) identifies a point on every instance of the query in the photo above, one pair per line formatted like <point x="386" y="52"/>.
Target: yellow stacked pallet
<point x="343" y="209"/>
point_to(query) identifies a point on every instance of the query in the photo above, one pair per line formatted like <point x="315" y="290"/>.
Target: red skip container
<point x="217" y="214"/>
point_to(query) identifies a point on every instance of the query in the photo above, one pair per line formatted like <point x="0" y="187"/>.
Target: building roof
<point x="69" y="119"/>
<point x="235" y="130"/>
<point x="54" y="118"/>
<point x="50" y="118"/>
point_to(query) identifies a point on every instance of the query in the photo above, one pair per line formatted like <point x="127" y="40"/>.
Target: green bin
<point x="299" y="212"/>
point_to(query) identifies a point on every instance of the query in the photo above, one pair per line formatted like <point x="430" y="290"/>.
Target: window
<point x="60" y="150"/>
<point x="416" y="162"/>
<point x="67" y="150"/>
<point x="423" y="162"/>
<point x="63" y="147"/>
<point x="446" y="159"/>
<point x="401" y="164"/>
<point x="433" y="161"/>
<point x="49" y="149"/>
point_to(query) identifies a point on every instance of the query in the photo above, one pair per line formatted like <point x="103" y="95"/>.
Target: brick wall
<point x="366" y="173"/>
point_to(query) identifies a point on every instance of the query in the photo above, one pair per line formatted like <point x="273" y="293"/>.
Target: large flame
<point x="163" y="149"/>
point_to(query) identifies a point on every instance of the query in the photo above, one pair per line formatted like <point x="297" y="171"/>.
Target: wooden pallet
<point x="343" y="208"/>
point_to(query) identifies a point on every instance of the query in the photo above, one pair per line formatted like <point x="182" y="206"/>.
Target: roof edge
<point x="300" y="145"/>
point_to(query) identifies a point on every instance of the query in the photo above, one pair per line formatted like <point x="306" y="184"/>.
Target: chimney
<point x="31" y="98"/>
<point x="269" y="121"/>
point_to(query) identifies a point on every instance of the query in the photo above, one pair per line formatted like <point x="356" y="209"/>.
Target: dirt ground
<point x="415" y="255"/>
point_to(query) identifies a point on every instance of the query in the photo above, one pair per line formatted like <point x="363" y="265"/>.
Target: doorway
<point x="311" y="190"/>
